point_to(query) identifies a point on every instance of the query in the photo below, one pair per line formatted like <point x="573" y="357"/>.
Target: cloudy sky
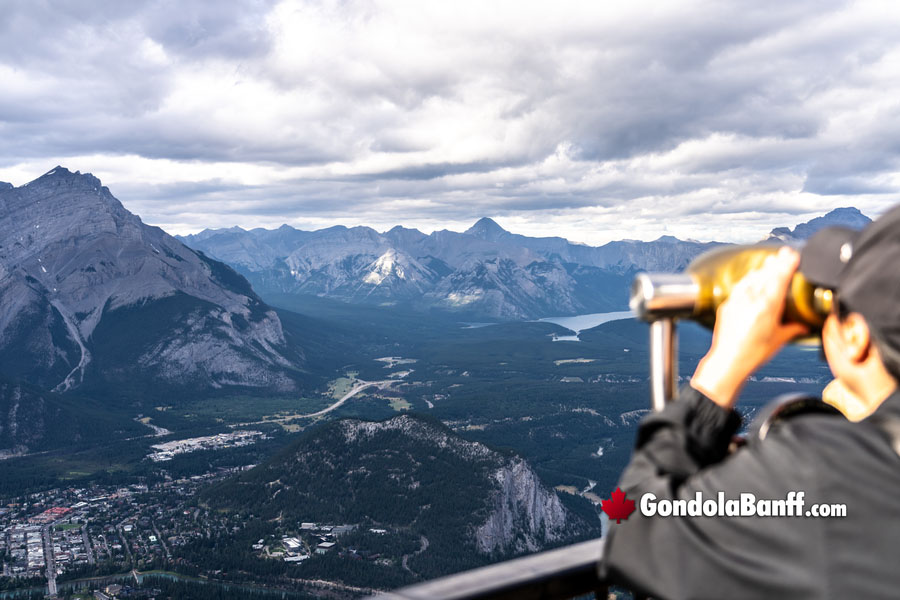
<point x="590" y="120"/>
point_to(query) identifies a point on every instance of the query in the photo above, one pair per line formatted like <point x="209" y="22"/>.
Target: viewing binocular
<point x="663" y="298"/>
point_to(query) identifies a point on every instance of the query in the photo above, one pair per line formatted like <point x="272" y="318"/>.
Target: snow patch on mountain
<point x="385" y="266"/>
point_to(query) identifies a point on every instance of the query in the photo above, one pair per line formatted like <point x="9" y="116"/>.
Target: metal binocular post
<point x="661" y="299"/>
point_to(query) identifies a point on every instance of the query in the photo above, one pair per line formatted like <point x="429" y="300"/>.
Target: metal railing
<point x="553" y="575"/>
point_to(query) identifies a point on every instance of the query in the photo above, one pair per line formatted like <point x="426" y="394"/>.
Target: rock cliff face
<point x="525" y="515"/>
<point x="87" y="289"/>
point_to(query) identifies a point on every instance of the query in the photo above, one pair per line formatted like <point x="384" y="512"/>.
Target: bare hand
<point x="749" y="329"/>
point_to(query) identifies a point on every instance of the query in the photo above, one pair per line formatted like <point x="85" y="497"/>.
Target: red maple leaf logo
<point x="618" y="508"/>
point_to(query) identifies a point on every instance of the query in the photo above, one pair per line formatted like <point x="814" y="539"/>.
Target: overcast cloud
<point x="708" y="120"/>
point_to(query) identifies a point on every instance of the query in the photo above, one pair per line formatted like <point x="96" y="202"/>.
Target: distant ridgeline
<point x="414" y="474"/>
<point x="483" y="272"/>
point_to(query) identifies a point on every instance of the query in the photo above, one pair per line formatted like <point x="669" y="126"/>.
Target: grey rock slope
<point x="87" y="289"/>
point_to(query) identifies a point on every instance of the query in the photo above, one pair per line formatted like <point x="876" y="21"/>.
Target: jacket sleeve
<point x="681" y="452"/>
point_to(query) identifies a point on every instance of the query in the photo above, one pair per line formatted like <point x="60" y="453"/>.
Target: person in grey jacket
<point x="802" y="463"/>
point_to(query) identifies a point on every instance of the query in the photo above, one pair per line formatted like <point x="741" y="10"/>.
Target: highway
<point x="356" y="389"/>
<point x="360" y="386"/>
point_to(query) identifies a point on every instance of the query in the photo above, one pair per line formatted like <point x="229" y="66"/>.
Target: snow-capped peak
<point x="386" y="265"/>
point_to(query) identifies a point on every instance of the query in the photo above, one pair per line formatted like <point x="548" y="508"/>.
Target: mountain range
<point x="484" y="272"/>
<point x="91" y="294"/>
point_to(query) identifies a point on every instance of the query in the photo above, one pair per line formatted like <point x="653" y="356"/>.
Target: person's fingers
<point x="784" y="267"/>
<point x="790" y="331"/>
<point x="786" y="251"/>
<point x="771" y="280"/>
<point x="748" y="328"/>
<point x="753" y="284"/>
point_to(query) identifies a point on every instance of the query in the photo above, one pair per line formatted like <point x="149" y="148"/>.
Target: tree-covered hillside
<point x="412" y="474"/>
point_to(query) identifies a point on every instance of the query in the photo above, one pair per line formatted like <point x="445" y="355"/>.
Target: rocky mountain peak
<point x="61" y="172"/>
<point x="5" y="186"/>
<point x="844" y="217"/>
<point x="57" y="206"/>
<point x="846" y="213"/>
<point x="402" y="229"/>
<point x="404" y="238"/>
<point x="72" y="258"/>
<point x="487" y="229"/>
<point x="61" y="177"/>
<point x="74" y="203"/>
